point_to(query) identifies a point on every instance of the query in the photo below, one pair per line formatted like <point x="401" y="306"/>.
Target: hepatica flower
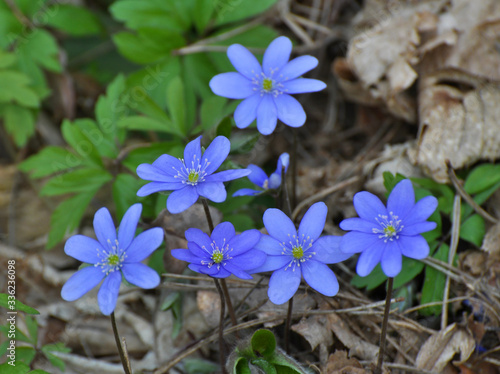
<point x="192" y="176"/>
<point x="292" y="254"/>
<point x="223" y="253"/>
<point x="266" y="89"/>
<point x="260" y="178"/>
<point x="111" y="256"/>
<point x="386" y="234"/>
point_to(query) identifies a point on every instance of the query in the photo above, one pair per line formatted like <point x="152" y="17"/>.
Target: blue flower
<point x="223" y="253"/>
<point x="266" y="90"/>
<point x="112" y="256"/>
<point x="386" y="234"/>
<point x="292" y="254"/>
<point x="260" y="178"/>
<point x="192" y="176"/>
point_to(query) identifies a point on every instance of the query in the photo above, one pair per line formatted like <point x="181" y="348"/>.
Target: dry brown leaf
<point x="338" y="363"/>
<point x="315" y="330"/>
<point x="491" y="241"/>
<point x="440" y="348"/>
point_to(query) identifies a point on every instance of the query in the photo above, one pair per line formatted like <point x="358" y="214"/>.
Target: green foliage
<point x="434" y="283"/>
<point x="4" y="303"/>
<point x="19" y="368"/>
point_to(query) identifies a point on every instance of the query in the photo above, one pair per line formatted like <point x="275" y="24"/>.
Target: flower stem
<point x="287" y="207"/>
<point x="383" y="332"/>
<point x="287" y="326"/>
<point x="209" y="216"/>
<point x="294" y="169"/>
<point x="221" y="326"/>
<point x="123" y="353"/>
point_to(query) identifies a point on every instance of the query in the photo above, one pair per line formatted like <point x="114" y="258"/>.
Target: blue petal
<point x="197" y="251"/>
<point x="152" y="173"/>
<point x="369" y="259"/>
<point x="276" y="55"/>
<point x="144" y="244"/>
<point x="203" y="269"/>
<point x="81" y="282"/>
<point x="283" y="160"/>
<point x="327" y="249"/>
<point x="141" y="275"/>
<point x="244" y="61"/>
<point x="269" y="245"/>
<point x="192" y="152"/>
<point x="354" y="241"/>
<point x="105" y="228"/>
<point x="246" y="192"/>
<point x="303" y="85"/>
<point x="237" y="271"/>
<point x="401" y="199"/>
<point x="283" y="285"/>
<point x="84" y="249"/>
<point x="199" y="237"/>
<point x="274" y="181"/>
<point x="272" y="263"/>
<point x="128" y="225"/>
<point x="186" y="255"/>
<point x="216" y="153"/>
<point x="358" y="224"/>
<point x="368" y="206"/>
<point x="154" y="187"/>
<point x="250" y="260"/>
<point x="290" y="111"/>
<point x="214" y="191"/>
<point x="313" y="222"/>
<point x="320" y="277"/>
<point x="220" y="273"/>
<point x="169" y="165"/>
<point x="413" y="246"/>
<point x="180" y="200"/>
<point x="257" y="176"/>
<point x="278" y="225"/>
<point x="244" y="242"/>
<point x="421" y="211"/>
<point x="227" y="175"/>
<point x="418" y="228"/>
<point x="246" y="111"/>
<point x="223" y="233"/>
<point x="267" y="115"/>
<point x="108" y="293"/>
<point x="392" y="260"/>
<point x="232" y="86"/>
<point x="297" y="67"/>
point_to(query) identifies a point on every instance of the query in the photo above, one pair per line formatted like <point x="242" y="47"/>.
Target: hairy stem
<point x="209" y="216"/>
<point x="287" y="326"/>
<point x="123" y="352"/>
<point x="221" y="326"/>
<point x="383" y="332"/>
<point x="229" y="304"/>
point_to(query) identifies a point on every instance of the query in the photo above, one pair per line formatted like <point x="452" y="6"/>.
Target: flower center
<point x="297" y="252"/>
<point x="193" y="173"/>
<point x="111" y="259"/>
<point x="298" y="248"/>
<point x="217" y="256"/>
<point x="390" y="227"/>
<point x="267" y="84"/>
<point x="193" y="176"/>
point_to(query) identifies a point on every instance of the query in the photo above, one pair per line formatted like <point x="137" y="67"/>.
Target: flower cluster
<point x="386" y="234"/>
<point x="259" y="177"/>
<point x="223" y="253"/>
<point x="266" y="90"/>
<point x="111" y="256"/>
<point x="192" y="176"/>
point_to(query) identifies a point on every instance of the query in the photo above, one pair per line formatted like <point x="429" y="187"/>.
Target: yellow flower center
<point x="113" y="260"/>
<point x="390" y="231"/>
<point x="297" y="252"/>
<point x="267" y="84"/>
<point x="217" y="256"/>
<point x="193" y="176"/>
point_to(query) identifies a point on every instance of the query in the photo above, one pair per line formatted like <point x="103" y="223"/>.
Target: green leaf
<point x="54" y="360"/>
<point x="241" y="366"/>
<point x="149" y="154"/>
<point x="25" y="354"/>
<point x="49" y="160"/>
<point x="19" y="335"/>
<point x="481" y="178"/>
<point x="18" y="368"/>
<point x="225" y="128"/>
<point x="149" y="124"/>
<point x="83" y="136"/>
<point x="444" y="193"/>
<point x="32" y="326"/>
<point x="170" y="300"/>
<point x="230" y="11"/>
<point x="74" y="20"/>
<point x="211" y="112"/>
<point x="19" y="122"/>
<point x="265" y="365"/>
<point x="176" y="104"/>
<point x="7" y="59"/>
<point x="40" y="47"/>
<point x="199" y="366"/>
<point x="202" y="14"/>
<point x="15" y="88"/>
<point x="125" y="188"/>
<point x="4" y="298"/>
<point x="473" y="229"/>
<point x="79" y="180"/>
<point x="434" y="283"/>
<point x="68" y="215"/>
<point x="263" y="342"/>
